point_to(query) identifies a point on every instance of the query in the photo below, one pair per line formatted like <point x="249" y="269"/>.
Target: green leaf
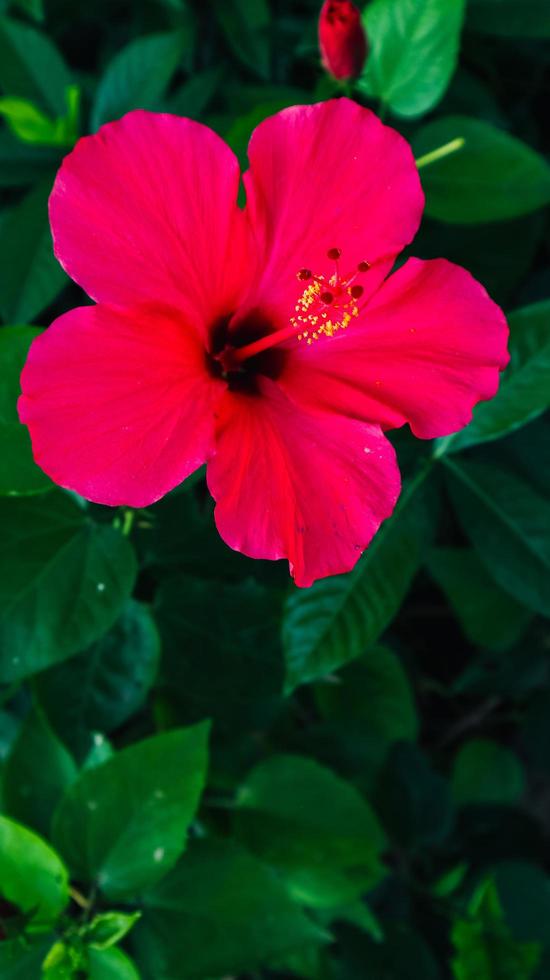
<point x="357" y="914"/>
<point x="33" y="126"/>
<point x="18" y="471"/>
<point x="101" y="750"/>
<point x="403" y="955"/>
<point x="24" y="163"/>
<point x="239" y="630"/>
<point x="246" y="26"/>
<point x="33" y="8"/>
<point x="30" y="276"/>
<point x="308" y="963"/>
<point x="525" y="452"/>
<point x="486" y="772"/>
<point x="10" y="727"/>
<point x="413" y="49"/>
<point x="26" y="120"/>
<point x="111" y="964"/>
<point x="21" y="959"/>
<point x="238" y="133"/>
<point x="62" y="962"/>
<point x="108" y="682"/>
<point x="513" y="677"/>
<point x="108" y="928"/>
<point x="489" y="251"/>
<point x="508" y="18"/>
<point x="412" y="799"/>
<point x="32" y="876"/>
<point x="219" y="912"/>
<point x="138" y="76"/>
<point x="31" y="67"/>
<point x="70" y="962"/>
<point x="336" y="619"/>
<point x="524" y="893"/>
<point x="194" y="95"/>
<point x="291" y="810"/>
<point x="525" y="385"/>
<point x="488" y="615"/>
<point x="374" y="690"/>
<point x="507" y="523"/>
<point x="122" y="825"/>
<point x="63" y="580"/>
<point x="493" y="177"/>
<point x="450" y="881"/>
<point x="484" y="949"/>
<point x="38" y="771"/>
<point x="470" y="95"/>
<point x="179" y="534"/>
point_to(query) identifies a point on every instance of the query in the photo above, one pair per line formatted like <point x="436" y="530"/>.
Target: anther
<point x="328" y="303"/>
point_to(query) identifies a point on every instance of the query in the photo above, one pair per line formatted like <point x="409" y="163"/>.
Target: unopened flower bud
<point x="342" y="39"/>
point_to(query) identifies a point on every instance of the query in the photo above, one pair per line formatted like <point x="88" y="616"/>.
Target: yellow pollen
<point x="327" y="304"/>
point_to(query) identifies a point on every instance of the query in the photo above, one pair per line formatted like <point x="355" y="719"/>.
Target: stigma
<point x="328" y="303"/>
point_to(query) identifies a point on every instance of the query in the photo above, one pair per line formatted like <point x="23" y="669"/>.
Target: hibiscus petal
<point x="119" y="404"/>
<point x="429" y="346"/>
<point x="329" y="176"/>
<point x="304" y="486"/>
<point x="146" y="210"/>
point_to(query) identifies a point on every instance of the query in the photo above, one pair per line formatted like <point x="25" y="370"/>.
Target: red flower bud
<point x="342" y="39"/>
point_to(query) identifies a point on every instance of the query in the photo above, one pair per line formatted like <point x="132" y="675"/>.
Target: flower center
<point x="327" y="304"/>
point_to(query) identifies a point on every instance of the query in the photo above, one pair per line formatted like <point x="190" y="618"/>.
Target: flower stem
<point x="442" y="151"/>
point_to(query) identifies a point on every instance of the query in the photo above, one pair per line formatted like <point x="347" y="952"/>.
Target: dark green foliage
<point x="484" y="946"/>
<point x="219" y="909"/>
<point x="30" y="277"/>
<point x="37" y="772"/>
<point x="205" y="772"/>
<point x="337" y="618"/>
<point x="108" y="682"/>
<point x="63" y="580"/>
<point x="315" y="829"/>
<point x="18" y="473"/>
<point x="462" y="189"/>
<point x="122" y="824"/>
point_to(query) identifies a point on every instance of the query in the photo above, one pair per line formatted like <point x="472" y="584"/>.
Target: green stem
<point x="79" y="898"/>
<point x="442" y="151"/>
<point x="128" y="522"/>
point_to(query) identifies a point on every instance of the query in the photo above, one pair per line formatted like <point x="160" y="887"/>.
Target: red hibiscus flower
<point x="342" y="39"/>
<point x="266" y="341"/>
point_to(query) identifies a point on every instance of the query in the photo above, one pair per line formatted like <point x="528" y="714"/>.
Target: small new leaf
<point x="108" y="928"/>
<point x="484" y="947"/>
